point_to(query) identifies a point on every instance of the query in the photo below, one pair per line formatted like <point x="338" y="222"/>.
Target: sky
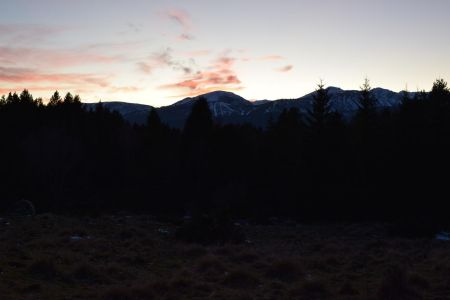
<point x="157" y="52"/>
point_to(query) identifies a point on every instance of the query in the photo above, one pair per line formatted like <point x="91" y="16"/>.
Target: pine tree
<point x="320" y="112"/>
<point x="26" y="97"/>
<point x="199" y="123"/>
<point x="99" y="108"/>
<point x="366" y="100"/>
<point x="15" y="98"/>
<point x="77" y="99"/>
<point x="440" y="94"/>
<point x="55" y="99"/>
<point x="406" y="99"/>
<point x="153" y="120"/>
<point x="68" y="99"/>
<point x="9" y="99"/>
<point x="366" y="115"/>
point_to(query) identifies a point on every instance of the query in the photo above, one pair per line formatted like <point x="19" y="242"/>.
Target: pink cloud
<point x="145" y="67"/>
<point x="285" y="68"/>
<point x="271" y="58"/>
<point x="19" y="89"/>
<point x="51" y="58"/>
<point x="186" y="37"/>
<point x="218" y="76"/>
<point x="15" y="75"/>
<point x="124" y="89"/>
<point x="180" y="17"/>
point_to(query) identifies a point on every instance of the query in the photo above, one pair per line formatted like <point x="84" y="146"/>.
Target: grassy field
<point x="137" y="257"/>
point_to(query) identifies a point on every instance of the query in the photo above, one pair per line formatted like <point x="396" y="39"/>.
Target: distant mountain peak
<point x="215" y="97"/>
<point x="229" y="108"/>
<point x="333" y="89"/>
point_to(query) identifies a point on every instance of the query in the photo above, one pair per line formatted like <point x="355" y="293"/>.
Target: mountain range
<point x="229" y="108"/>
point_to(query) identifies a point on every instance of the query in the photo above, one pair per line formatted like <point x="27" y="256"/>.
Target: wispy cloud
<point x="18" y="89"/>
<point x="198" y="53"/>
<point x="285" y="69"/>
<point x="184" y="20"/>
<point x="186" y="37"/>
<point x="165" y="59"/>
<point x="181" y="17"/>
<point x="23" y="75"/>
<point x="271" y="58"/>
<point x="27" y="33"/>
<point x="51" y="58"/>
<point x="145" y="67"/>
<point x="220" y="75"/>
<point x="124" y="89"/>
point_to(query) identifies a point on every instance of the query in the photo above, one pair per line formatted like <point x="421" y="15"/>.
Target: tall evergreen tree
<point x="26" y="97"/>
<point x="366" y="100"/>
<point x="77" y="99"/>
<point x="199" y="123"/>
<point x="320" y="112"/>
<point x="15" y="98"/>
<point x="440" y="94"/>
<point x="406" y="98"/>
<point x="55" y="99"/>
<point x="153" y="121"/>
<point x="68" y="99"/>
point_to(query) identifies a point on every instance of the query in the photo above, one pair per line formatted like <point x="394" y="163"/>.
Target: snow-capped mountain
<point x="226" y="107"/>
<point x="229" y="108"/>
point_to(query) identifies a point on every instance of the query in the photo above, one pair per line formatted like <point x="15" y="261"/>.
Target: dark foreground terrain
<point x="137" y="257"/>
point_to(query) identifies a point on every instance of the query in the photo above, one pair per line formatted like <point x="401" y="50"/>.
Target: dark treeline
<point x="382" y="165"/>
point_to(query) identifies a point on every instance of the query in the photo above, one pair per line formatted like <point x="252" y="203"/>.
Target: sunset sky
<point x="159" y="51"/>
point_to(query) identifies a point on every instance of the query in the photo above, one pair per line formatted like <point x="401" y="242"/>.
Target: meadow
<point x="139" y="257"/>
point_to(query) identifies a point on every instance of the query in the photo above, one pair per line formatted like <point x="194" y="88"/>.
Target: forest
<point x="383" y="165"/>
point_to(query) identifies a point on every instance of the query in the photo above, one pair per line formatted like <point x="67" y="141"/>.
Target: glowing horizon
<point x="158" y="52"/>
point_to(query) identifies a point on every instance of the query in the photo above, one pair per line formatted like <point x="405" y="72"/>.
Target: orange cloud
<point x="285" y="68"/>
<point x="219" y="76"/>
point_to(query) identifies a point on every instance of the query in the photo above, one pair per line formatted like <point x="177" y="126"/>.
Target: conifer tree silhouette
<point x="153" y="121"/>
<point x="26" y="97"/>
<point x="55" y="99"/>
<point x="320" y="112"/>
<point x="199" y="123"/>
<point x="366" y="99"/>
<point x="440" y="94"/>
<point x="68" y="99"/>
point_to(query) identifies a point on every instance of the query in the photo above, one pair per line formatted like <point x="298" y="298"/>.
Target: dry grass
<point x="109" y="258"/>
